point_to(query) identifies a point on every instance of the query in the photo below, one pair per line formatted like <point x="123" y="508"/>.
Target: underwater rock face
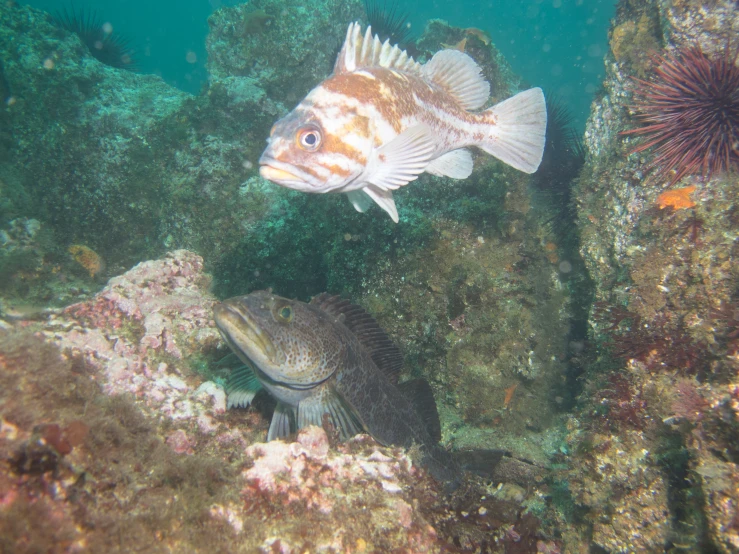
<point x="663" y="259"/>
<point x="285" y="47"/>
<point x="135" y="341"/>
<point x="118" y="161"/>
<point x="107" y="428"/>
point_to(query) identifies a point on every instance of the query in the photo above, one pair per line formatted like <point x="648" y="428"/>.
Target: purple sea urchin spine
<point x="689" y="110"/>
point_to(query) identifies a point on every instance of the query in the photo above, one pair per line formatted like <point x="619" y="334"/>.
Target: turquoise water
<point x="556" y="44"/>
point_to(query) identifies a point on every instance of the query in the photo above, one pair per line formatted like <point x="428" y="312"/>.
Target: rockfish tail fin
<point x="519" y="130"/>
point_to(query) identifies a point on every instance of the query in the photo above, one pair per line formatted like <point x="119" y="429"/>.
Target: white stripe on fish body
<point x="330" y="159"/>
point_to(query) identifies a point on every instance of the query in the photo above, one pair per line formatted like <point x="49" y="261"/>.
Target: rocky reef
<point x="588" y="326"/>
<point x="657" y="427"/>
<point x="114" y="425"/>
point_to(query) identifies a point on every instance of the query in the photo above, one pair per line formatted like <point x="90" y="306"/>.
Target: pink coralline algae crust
<point x="307" y="477"/>
<point x="138" y="331"/>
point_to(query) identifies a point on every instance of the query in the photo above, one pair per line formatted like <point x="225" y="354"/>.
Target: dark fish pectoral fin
<point x="283" y="422"/>
<point x="312" y="409"/>
<point x="242" y="387"/>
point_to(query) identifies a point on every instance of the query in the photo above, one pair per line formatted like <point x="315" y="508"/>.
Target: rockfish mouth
<point x="282" y="173"/>
<point x="243" y="335"/>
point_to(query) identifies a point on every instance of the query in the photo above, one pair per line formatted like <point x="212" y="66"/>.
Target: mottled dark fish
<point x="330" y="357"/>
<point x="381" y="119"/>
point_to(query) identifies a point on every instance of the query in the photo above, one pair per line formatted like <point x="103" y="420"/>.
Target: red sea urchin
<point x="690" y="111"/>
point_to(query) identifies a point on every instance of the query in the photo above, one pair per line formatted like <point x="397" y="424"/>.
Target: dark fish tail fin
<point x="420" y="395"/>
<point x="480" y="462"/>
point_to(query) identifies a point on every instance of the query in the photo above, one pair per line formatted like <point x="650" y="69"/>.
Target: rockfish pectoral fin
<point x="456" y="164"/>
<point x="518" y="134"/>
<point x="384" y="199"/>
<point x="401" y="160"/>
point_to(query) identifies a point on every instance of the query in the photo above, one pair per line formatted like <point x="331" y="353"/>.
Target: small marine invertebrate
<point x="387" y="22"/>
<point x="104" y="44"/>
<point x="689" y="111"/>
<point x="509" y="395"/>
<point x="87" y="258"/>
<point x="677" y="199"/>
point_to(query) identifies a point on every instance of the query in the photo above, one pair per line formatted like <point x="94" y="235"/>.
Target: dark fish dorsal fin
<point x="419" y="392"/>
<point x="384" y="353"/>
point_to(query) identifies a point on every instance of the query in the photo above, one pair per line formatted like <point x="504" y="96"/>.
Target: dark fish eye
<point x="309" y="138"/>
<point x="286" y="313"/>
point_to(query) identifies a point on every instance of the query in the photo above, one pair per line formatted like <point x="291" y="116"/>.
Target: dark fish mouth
<point x="242" y="334"/>
<point x="253" y="345"/>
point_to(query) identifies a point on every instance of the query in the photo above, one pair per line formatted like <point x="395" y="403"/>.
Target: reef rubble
<point x="113" y="411"/>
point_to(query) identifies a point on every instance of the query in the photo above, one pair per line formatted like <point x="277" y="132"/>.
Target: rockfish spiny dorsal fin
<point x="419" y="392"/>
<point x="460" y="76"/>
<point x="367" y="51"/>
<point x="384" y="353"/>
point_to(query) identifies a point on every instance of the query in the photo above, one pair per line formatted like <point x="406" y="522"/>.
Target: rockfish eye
<point x="285" y="314"/>
<point x="309" y="138"/>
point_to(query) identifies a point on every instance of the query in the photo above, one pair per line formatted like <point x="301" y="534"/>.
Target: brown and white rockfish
<point x="381" y="119"/>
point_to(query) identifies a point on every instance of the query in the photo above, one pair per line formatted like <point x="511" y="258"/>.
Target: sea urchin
<point x="105" y="45"/>
<point x="387" y="21"/>
<point x="690" y="112"/>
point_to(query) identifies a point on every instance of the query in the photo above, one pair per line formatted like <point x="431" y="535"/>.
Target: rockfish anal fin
<point x="460" y="76"/>
<point x="519" y="130"/>
<point x="456" y="164"/>
<point x="384" y="199"/>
